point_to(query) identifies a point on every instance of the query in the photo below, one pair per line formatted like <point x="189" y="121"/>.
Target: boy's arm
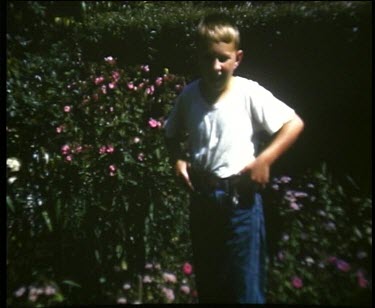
<point x="178" y="160"/>
<point x="260" y="168"/>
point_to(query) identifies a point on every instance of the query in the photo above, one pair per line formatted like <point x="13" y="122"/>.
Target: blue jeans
<point x="228" y="238"/>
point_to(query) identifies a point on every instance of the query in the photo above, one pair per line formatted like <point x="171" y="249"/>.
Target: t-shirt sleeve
<point x="174" y="124"/>
<point x="269" y="112"/>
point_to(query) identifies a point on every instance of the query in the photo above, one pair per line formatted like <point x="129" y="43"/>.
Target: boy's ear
<point x="239" y="56"/>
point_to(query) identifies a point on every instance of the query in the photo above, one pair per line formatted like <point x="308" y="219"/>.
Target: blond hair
<point x="218" y="28"/>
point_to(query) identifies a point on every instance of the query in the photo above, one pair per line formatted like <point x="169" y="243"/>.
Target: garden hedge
<point x="94" y="214"/>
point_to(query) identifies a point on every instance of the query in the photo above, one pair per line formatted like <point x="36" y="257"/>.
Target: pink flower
<point x="169" y="294"/>
<point x="362" y="281"/>
<point x="157" y="266"/>
<point x="59" y="129"/>
<point x="158" y="81"/>
<point x="112" y="170"/>
<point x="150" y="90"/>
<point x="116" y="76"/>
<point x="185" y="289"/>
<point x="79" y="149"/>
<point x="126" y="286"/>
<point x="67" y="108"/>
<point x="65" y="149"/>
<point x="69" y="158"/>
<point x="294" y="206"/>
<point x="145" y="68"/>
<point x="20" y="292"/>
<point x="300" y="194"/>
<point x="154" y="123"/>
<point x="187" y="268"/>
<point x="104" y="89"/>
<point x="112" y="85"/>
<point x="130" y="85"/>
<point x="110" y="60"/>
<point x="289" y="195"/>
<point x="49" y="290"/>
<point x="342" y="266"/>
<point x="147" y="279"/>
<point x="110" y="149"/>
<point x="122" y="300"/>
<point x="141" y="157"/>
<point x="285" y="179"/>
<point x="33" y="297"/>
<point x="297" y="282"/>
<point x="332" y="259"/>
<point x="169" y="277"/>
<point x="280" y="255"/>
<point x="99" y="80"/>
<point x="102" y="149"/>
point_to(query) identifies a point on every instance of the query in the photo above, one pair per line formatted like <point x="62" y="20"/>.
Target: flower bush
<point x="94" y="215"/>
<point x="102" y="176"/>
<point x="320" y="241"/>
<point x="159" y="286"/>
<point x="103" y="179"/>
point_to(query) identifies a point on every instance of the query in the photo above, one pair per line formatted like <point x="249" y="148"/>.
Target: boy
<point x="219" y="113"/>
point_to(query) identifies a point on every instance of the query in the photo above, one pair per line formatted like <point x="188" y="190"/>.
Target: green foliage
<point x="322" y="234"/>
<point x="90" y="194"/>
<point x="155" y="32"/>
<point x="100" y="172"/>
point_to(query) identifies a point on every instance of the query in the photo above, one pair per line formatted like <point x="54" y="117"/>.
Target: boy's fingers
<point x="247" y="168"/>
<point x="185" y="175"/>
<point x="190" y="185"/>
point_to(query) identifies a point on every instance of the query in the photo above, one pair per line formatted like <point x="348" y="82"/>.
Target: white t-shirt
<point x="220" y="135"/>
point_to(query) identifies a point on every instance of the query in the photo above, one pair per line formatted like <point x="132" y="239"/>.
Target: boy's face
<point x="217" y="62"/>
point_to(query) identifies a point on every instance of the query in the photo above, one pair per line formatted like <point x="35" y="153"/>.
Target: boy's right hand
<point x="181" y="169"/>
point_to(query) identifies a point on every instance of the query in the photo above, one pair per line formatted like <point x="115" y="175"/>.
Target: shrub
<point x="100" y="173"/>
<point x="90" y="196"/>
<point x="320" y="238"/>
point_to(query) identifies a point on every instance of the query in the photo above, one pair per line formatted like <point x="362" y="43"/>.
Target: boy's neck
<point x="212" y="96"/>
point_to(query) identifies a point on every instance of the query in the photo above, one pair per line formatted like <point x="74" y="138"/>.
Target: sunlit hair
<point x="217" y="28"/>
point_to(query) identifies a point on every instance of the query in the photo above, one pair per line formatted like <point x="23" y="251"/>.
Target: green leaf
<point x="97" y="256"/>
<point x="357" y="232"/>
<point x="47" y="220"/>
<point x="118" y="251"/>
<point x="58" y="209"/>
<point x="71" y="283"/>
<point x="102" y="280"/>
<point x="10" y="204"/>
<point x="58" y="297"/>
<point x="157" y="153"/>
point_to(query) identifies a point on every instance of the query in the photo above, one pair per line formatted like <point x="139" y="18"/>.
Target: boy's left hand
<point x="259" y="171"/>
